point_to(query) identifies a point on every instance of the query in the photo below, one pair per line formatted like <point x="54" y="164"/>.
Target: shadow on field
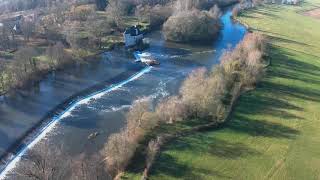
<point x="198" y="144"/>
<point x="288" y="78"/>
<point x="286" y="40"/>
<point x="261" y="128"/>
<point x="168" y="165"/>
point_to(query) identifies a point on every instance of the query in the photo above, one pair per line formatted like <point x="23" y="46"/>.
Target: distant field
<point x="274" y="132"/>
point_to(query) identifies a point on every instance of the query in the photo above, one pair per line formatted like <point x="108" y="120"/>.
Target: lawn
<point x="274" y="131"/>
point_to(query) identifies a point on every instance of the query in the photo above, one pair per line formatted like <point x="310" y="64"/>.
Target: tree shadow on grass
<point x="255" y="104"/>
<point x="169" y="166"/>
<point x="202" y="143"/>
<point x="264" y="13"/>
<point x="288" y="61"/>
<point x="199" y="145"/>
<point x="290" y="41"/>
<point x="261" y="128"/>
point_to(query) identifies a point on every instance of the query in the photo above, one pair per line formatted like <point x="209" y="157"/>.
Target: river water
<point x="101" y="92"/>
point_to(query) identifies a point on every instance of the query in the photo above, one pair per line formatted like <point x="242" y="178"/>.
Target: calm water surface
<point x="105" y="112"/>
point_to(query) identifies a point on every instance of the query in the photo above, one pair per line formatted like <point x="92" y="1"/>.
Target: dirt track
<point x="313" y="13"/>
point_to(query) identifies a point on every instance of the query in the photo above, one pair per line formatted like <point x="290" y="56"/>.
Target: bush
<point x="193" y="25"/>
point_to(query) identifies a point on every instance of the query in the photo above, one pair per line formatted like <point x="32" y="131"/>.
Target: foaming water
<point x="44" y="131"/>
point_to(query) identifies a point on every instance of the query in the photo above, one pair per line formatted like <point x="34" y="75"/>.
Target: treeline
<point x="22" y="5"/>
<point x="27" y="66"/>
<point x="204" y="95"/>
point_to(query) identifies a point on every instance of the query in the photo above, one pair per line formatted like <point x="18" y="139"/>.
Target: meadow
<point x="274" y="130"/>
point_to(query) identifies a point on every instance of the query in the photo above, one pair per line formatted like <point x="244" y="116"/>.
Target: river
<point x="95" y="96"/>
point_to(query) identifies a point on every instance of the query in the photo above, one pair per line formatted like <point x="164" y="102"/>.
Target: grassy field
<point x="274" y="132"/>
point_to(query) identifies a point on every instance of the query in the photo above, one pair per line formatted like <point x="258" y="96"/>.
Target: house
<point x="13" y="23"/>
<point x="132" y="36"/>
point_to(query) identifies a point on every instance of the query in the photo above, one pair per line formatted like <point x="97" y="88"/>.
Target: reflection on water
<point x="105" y="113"/>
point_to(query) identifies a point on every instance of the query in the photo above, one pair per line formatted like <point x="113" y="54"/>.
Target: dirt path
<point x="313" y="13"/>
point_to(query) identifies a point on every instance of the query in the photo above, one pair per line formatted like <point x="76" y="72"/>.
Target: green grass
<point x="274" y="132"/>
<point x="6" y="55"/>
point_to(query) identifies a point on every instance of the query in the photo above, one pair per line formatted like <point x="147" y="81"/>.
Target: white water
<point x="42" y="133"/>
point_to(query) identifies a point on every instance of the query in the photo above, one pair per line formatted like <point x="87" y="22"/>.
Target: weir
<point x="43" y="132"/>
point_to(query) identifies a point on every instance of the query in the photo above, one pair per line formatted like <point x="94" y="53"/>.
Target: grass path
<point x="274" y="132"/>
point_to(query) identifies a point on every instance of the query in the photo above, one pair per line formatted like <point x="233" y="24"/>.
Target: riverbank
<point x="272" y="132"/>
<point x="181" y="123"/>
<point x="55" y="96"/>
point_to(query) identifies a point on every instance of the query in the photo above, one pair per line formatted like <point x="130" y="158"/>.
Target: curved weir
<point x="42" y="133"/>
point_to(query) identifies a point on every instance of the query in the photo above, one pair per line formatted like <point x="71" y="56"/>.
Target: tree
<point x="116" y="10"/>
<point x="137" y="118"/>
<point x="24" y="63"/>
<point x="186" y="5"/>
<point x="192" y="25"/>
<point x="171" y="110"/>
<point x="46" y="162"/>
<point x="28" y="28"/>
<point x="119" y="150"/>
<point x="97" y="28"/>
<point x="56" y="55"/>
<point x="4" y="37"/>
<point x="85" y="167"/>
<point x="2" y="77"/>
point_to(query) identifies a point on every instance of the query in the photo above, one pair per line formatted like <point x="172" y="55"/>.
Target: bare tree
<point x="56" y="55"/>
<point x="118" y="152"/>
<point x="45" y="162"/>
<point x="2" y="77"/>
<point x="86" y="167"/>
<point x="172" y="109"/>
<point x="4" y="37"/>
<point x="28" y="28"/>
<point x="116" y="10"/>
<point x="97" y="28"/>
<point x="191" y="25"/>
<point x="25" y="63"/>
